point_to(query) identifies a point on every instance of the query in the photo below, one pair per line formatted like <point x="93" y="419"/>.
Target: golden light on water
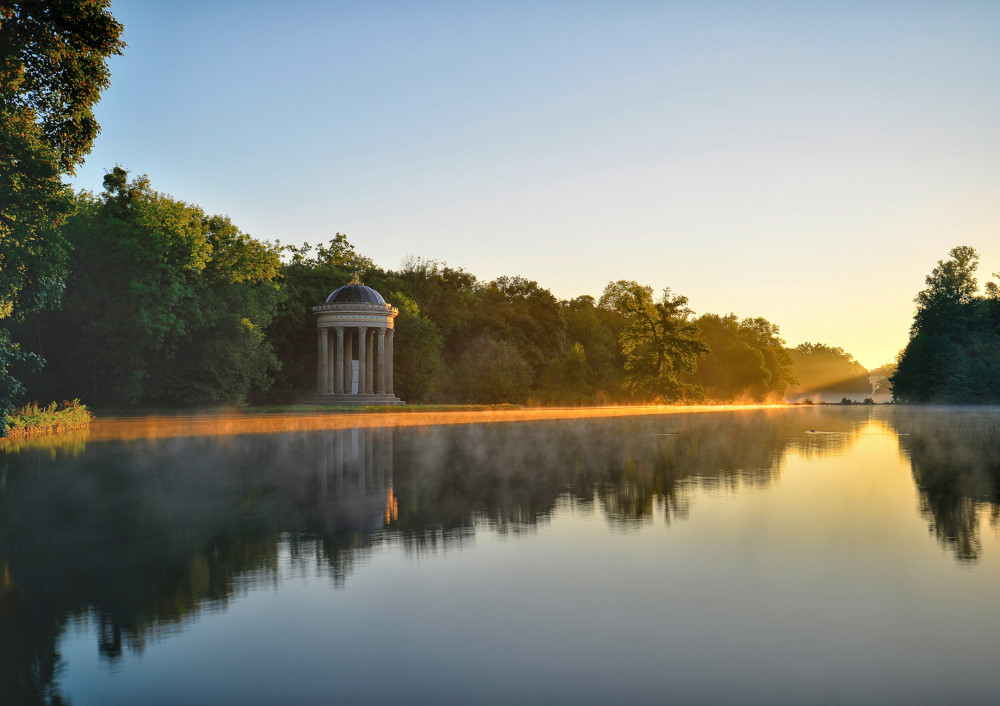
<point x="230" y="424"/>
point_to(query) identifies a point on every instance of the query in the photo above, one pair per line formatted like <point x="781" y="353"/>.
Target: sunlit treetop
<point x="53" y="63"/>
<point x="953" y="280"/>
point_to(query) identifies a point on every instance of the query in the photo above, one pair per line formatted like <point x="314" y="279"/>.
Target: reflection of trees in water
<point x="143" y="536"/>
<point x="511" y="476"/>
<point x="955" y="458"/>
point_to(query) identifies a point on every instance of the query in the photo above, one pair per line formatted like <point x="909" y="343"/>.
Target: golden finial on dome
<point x="356" y="280"/>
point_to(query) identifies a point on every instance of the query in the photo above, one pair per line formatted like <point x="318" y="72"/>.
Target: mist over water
<point x="780" y="555"/>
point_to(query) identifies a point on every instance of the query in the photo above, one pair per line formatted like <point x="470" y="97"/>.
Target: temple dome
<point x="355" y="293"/>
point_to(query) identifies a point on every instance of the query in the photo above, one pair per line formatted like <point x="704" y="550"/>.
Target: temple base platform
<point x="384" y="400"/>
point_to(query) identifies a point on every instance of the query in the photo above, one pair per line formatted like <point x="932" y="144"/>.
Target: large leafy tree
<point x="450" y="297"/>
<point x="53" y="67"/>
<point x="164" y="304"/>
<point x="223" y="354"/>
<point x="953" y="354"/>
<point x="416" y="351"/>
<point x="950" y="286"/>
<point x="529" y="316"/>
<point x="660" y="342"/>
<point x="597" y="330"/>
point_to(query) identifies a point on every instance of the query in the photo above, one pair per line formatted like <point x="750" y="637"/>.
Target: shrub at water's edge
<point x="32" y="419"/>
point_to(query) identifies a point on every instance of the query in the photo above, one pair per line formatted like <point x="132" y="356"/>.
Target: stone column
<point x="362" y="359"/>
<point x="322" y="369"/>
<point x="348" y="359"/>
<point x="330" y="357"/>
<point x="388" y="365"/>
<point x="338" y="363"/>
<point x="380" y="378"/>
<point x="369" y="364"/>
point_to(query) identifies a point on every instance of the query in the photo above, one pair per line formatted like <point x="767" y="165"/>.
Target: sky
<point x="805" y="162"/>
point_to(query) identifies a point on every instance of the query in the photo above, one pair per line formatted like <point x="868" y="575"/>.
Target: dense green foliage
<point x="53" y="67"/>
<point x="417" y="352"/>
<point x="660" y="342"/>
<point x="954" y="350"/>
<point x="163" y="304"/>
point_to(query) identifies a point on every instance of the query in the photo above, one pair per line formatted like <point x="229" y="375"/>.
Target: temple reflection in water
<point x="354" y="474"/>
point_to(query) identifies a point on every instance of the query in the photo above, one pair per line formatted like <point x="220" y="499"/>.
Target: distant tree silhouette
<point x="954" y="350"/>
<point x="820" y="368"/>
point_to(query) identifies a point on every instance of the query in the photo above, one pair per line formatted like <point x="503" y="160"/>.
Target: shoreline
<point x="302" y="418"/>
<point x="216" y="424"/>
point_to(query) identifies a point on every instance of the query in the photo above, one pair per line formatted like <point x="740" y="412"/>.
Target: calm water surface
<point x="784" y="556"/>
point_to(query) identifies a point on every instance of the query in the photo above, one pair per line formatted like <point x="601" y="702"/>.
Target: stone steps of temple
<point x="360" y="400"/>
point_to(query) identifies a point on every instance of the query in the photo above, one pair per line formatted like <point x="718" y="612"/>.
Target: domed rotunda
<point x="355" y="327"/>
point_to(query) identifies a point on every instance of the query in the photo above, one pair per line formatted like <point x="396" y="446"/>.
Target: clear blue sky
<point x="806" y="162"/>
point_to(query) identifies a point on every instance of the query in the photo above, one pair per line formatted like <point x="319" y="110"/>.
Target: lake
<point x="797" y="555"/>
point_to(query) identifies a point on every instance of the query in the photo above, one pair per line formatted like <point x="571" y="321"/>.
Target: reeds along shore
<point x="31" y="419"/>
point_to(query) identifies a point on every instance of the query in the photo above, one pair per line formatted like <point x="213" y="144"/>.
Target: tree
<point x="992" y="289"/>
<point x="567" y="379"/>
<point x="450" y="297"/>
<point x="950" y="285"/>
<point x="338" y="253"/>
<point x="163" y="304"/>
<point x="820" y="368"/>
<point x="748" y="359"/>
<point x="660" y="342"/>
<point x="223" y="355"/>
<point x="953" y="354"/>
<point x="491" y="370"/>
<point x="519" y="310"/>
<point x="53" y="67"/>
<point x="598" y="331"/>
<point x="416" y="351"/>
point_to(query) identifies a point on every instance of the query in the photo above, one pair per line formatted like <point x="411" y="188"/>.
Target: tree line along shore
<point x="164" y="305"/>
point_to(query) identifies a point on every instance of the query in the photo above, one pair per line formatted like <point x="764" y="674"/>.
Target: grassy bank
<point x="31" y="419"/>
